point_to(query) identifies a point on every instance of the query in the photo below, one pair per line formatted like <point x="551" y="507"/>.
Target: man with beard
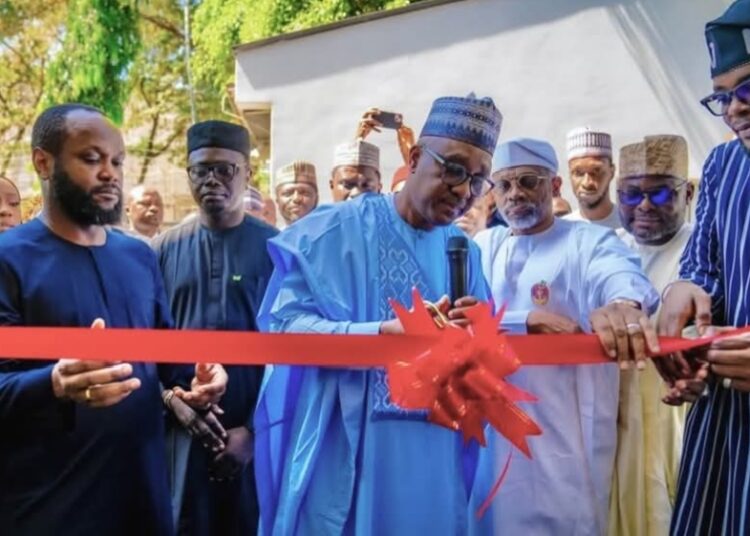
<point x="216" y="268"/>
<point x="356" y="170"/>
<point x="296" y="190"/>
<point x="653" y="198"/>
<point x="712" y="495"/>
<point x="334" y="454"/>
<point x="591" y="172"/>
<point x="145" y="211"/>
<point x="558" y="276"/>
<point x="82" y="448"/>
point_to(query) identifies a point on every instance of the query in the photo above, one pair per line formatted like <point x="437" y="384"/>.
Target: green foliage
<point x="29" y="34"/>
<point x="218" y="25"/>
<point x="158" y="111"/>
<point x="127" y="57"/>
<point x="101" y="41"/>
<point x="261" y="180"/>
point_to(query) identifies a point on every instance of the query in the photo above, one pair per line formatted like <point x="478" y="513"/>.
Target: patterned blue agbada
<point x="333" y="454"/>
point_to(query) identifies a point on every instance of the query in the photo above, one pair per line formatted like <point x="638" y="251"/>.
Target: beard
<point x="78" y="204"/>
<point x="532" y="216"/>
<point x="658" y="233"/>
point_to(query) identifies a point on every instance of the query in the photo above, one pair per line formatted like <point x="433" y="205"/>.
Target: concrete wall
<point x="632" y="67"/>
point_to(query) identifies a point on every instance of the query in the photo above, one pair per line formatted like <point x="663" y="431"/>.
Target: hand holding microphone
<point x="457" y="251"/>
<point x="448" y="309"/>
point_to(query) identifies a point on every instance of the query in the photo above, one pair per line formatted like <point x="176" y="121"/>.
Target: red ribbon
<point x="458" y="375"/>
<point x="247" y="348"/>
<point x="192" y="346"/>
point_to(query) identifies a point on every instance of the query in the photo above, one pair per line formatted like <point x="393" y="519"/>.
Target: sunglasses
<point x="222" y="171"/>
<point x="527" y="181"/>
<point x="455" y="174"/>
<point x="632" y="197"/>
<point x="717" y="103"/>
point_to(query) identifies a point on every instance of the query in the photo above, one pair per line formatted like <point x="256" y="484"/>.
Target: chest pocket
<point x="244" y="296"/>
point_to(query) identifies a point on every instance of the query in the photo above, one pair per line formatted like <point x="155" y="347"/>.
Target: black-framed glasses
<point x="717" y="103"/>
<point x="455" y="174"/>
<point x="222" y="171"/>
<point x="526" y="181"/>
<point x="661" y="195"/>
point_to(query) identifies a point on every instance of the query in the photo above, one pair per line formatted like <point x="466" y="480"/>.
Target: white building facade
<point x="631" y="67"/>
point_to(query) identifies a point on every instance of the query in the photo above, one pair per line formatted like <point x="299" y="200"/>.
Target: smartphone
<point x="389" y="120"/>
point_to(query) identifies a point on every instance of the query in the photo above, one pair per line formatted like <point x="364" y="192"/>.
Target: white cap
<point x="584" y="141"/>
<point x="357" y="153"/>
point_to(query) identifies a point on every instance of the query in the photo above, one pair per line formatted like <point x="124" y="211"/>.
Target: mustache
<point x="106" y="189"/>
<point x="522" y="204"/>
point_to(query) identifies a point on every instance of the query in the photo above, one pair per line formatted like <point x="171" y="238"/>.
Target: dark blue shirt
<point x="66" y="468"/>
<point x="216" y="279"/>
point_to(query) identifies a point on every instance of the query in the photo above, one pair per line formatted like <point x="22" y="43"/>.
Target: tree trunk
<point x="9" y="155"/>
<point x="147" y="157"/>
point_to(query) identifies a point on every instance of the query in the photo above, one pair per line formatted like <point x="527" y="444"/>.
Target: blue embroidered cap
<point x="467" y="119"/>
<point x="524" y="152"/>
<point x="728" y="38"/>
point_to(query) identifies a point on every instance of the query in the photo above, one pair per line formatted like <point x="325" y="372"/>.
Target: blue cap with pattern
<point x="467" y="119"/>
<point x="728" y="38"/>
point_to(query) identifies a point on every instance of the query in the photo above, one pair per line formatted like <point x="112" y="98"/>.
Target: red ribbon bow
<point x="460" y="379"/>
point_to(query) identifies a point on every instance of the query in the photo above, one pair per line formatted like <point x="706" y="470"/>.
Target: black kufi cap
<point x="218" y="134"/>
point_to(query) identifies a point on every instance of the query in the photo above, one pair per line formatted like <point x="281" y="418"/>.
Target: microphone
<point x="458" y="257"/>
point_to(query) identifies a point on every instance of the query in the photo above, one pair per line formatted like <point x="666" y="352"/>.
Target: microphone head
<point x="457" y="244"/>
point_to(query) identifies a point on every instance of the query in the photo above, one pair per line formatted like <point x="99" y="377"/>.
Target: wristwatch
<point x="625" y="301"/>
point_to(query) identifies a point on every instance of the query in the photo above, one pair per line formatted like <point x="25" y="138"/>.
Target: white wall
<point x="632" y="67"/>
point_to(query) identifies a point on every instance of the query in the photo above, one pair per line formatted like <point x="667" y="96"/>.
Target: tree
<point x="221" y="24"/>
<point x="127" y="58"/>
<point x="101" y="41"/>
<point x="29" y="33"/>
<point x="159" y="106"/>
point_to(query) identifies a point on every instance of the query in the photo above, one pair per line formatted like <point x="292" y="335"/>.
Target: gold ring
<point x="726" y="383"/>
<point x="88" y="394"/>
<point x="438" y="317"/>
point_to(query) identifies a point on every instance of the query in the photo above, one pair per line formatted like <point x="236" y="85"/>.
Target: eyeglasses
<point x="223" y="171"/>
<point x="455" y="174"/>
<point x="632" y="197"/>
<point x="718" y="103"/>
<point x="527" y="181"/>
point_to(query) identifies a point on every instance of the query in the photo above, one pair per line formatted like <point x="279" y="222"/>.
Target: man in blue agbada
<point x="333" y="454"/>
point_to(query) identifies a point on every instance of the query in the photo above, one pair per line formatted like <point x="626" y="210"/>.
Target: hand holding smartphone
<point x="389" y="120"/>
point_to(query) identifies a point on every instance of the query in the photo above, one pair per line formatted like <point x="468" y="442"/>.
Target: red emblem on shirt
<point x="540" y="293"/>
